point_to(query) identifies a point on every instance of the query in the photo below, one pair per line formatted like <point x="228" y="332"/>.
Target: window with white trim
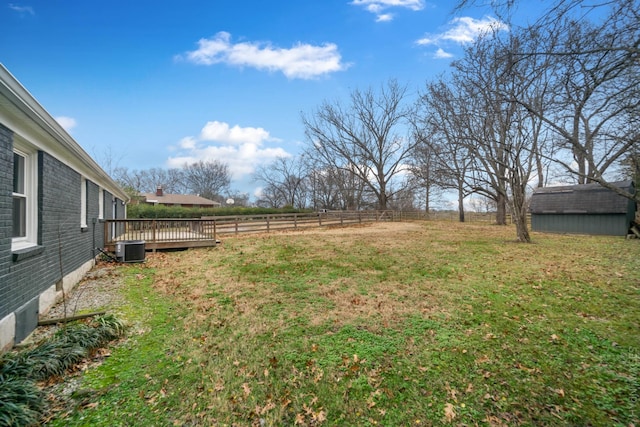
<point x="101" y="203"/>
<point x="83" y="202"/>
<point x="24" y="194"/>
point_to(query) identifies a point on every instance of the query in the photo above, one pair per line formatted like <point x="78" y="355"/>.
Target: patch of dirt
<point x="99" y="290"/>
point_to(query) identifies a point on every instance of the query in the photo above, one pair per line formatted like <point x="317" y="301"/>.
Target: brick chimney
<point x="159" y="191"/>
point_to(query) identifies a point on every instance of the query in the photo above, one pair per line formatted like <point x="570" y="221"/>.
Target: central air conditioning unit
<point x="130" y="251"/>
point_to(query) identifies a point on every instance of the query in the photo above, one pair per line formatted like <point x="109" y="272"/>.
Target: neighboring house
<point x="184" y="200"/>
<point x="53" y="200"/>
<point x="583" y="209"/>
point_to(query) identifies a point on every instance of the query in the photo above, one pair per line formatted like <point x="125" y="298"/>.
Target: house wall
<point x="594" y="224"/>
<point x="30" y="281"/>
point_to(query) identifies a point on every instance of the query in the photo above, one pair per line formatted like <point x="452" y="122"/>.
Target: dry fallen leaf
<point x="320" y="416"/>
<point x="247" y="389"/>
<point x="449" y="412"/>
<point x="483" y="359"/>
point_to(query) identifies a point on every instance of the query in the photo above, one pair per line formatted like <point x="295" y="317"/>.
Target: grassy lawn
<point x="402" y="324"/>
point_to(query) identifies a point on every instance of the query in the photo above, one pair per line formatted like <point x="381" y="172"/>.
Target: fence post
<point x="295" y="220"/>
<point x="268" y="229"/>
<point x="320" y="219"/>
<point x="153" y="230"/>
<point x="236" y="218"/>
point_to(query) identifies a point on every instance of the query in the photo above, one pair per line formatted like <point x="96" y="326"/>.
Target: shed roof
<point x="581" y="199"/>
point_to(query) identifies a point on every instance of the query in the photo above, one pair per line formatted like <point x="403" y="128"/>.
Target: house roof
<point x="24" y="115"/>
<point x="178" y="199"/>
<point x="581" y="199"/>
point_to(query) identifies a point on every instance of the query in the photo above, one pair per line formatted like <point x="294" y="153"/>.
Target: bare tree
<point x="423" y="168"/>
<point x="503" y="135"/>
<point x="593" y="105"/>
<point x="332" y="188"/>
<point x="209" y="179"/>
<point x="364" y="138"/>
<point x="286" y="182"/>
<point x="484" y="141"/>
<point x="442" y="156"/>
<point x="148" y="180"/>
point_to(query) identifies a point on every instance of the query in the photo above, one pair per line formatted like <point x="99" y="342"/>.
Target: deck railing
<point x="161" y="233"/>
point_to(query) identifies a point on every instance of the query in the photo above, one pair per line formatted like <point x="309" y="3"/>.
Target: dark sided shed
<point x="583" y="209"/>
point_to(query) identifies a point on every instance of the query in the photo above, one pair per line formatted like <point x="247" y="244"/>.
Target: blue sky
<point x="158" y="83"/>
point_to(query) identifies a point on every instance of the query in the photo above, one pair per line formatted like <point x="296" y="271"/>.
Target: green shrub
<point x="143" y="211"/>
<point x="21" y="402"/>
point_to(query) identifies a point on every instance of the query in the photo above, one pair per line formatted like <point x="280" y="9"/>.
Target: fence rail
<point x="185" y="233"/>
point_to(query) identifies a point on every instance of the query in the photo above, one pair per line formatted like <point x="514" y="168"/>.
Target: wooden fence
<point x="186" y="233"/>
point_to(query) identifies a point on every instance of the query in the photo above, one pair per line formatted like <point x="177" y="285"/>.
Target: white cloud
<point x="441" y="54"/>
<point x="258" y="192"/>
<point x="377" y="6"/>
<point x="67" y="123"/>
<point x="22" y="9"/>
<point x="462" y="30"/>
<point x="221" y="132"/>
<point x="302" y="61"/>
<point x="242" y="148"/>
<point x="187" y="143"/>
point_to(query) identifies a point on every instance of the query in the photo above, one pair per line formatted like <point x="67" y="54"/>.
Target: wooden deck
<point x="160" y="233"/>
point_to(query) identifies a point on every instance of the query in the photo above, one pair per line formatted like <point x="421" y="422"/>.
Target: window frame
<point x="101" y="196"/>
<point x="30" y="194"/>
<point x="83" y="202"/>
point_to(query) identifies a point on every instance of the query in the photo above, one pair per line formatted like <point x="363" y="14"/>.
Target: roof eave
<point x="21" y="99"/>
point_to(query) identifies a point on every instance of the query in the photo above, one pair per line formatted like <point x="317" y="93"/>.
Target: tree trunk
<point x="540" y="169"/>
<point x="426" y="200"/>
<point x="461" y="206"/>
<point x="501" y="210"/>
<point x="522" y="229"/>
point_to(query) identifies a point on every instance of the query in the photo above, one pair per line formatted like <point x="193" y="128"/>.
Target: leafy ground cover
<point x="22" y="401"/>
<point x="426" y="323"/>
